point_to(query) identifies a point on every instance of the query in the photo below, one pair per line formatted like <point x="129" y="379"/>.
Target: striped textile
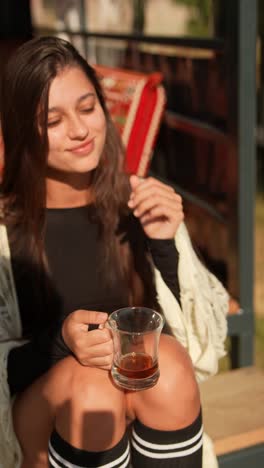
<point x="63" y="455"/>
<point x="182" y="448"/>
<point x="165" y="451"/>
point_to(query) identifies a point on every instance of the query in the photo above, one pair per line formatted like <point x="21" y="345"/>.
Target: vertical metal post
<point x="83" y="23"/>
<point x="247" y="163"/>
<point x="247" y="152"/>
<point x="241" y="22"/>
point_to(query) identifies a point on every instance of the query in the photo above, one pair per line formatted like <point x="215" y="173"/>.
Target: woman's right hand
<point x="92" y="348"/>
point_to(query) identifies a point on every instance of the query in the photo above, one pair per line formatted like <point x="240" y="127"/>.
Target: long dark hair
<point x="24" y="109"/>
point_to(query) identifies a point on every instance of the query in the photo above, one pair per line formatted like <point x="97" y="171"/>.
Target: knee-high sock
<point x="64" y="455"/>
<point x="167" y="449"/>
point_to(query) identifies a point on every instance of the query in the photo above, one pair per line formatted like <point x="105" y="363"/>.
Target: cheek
<point x="101" y="127"/>
<point x="100" y="122"/>
<point x="103" y="133"/>
<point x="55" y="140"/>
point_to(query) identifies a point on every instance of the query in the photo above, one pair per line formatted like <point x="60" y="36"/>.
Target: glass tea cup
<point x="136" y="333"/>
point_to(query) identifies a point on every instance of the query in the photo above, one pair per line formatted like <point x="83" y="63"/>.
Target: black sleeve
<point x="28" y="362"/>
<point x="166" y="257"/>
<point x="25" y="365"/>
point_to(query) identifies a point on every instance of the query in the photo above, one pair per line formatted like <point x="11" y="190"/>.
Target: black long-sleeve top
<point x="72" y="244"/>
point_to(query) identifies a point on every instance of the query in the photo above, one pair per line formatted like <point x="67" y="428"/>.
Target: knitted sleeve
<point x="10" y="337"/>
<point x="200" y="325"/>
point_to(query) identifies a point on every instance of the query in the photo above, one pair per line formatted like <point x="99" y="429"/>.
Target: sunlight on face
<point x="76" y="123"/>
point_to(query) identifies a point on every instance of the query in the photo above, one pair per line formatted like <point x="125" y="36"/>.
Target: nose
<point x="77" y="128"/>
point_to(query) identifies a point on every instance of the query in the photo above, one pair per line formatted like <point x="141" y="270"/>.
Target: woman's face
<point x="76" y="123"/>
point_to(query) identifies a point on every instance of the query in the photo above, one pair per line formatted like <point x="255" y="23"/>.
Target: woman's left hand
<point x="158" y="207"/>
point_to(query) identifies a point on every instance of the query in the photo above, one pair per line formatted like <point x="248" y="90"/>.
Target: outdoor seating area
<point x="185" y="107"/>
<point x="235" y="399"/>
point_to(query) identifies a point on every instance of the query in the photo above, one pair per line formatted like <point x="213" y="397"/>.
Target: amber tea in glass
<point x="136" y="332"/>
<point x="137" y="366"/>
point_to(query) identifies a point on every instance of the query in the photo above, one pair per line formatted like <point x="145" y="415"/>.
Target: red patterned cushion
<point x="136" y="102"/>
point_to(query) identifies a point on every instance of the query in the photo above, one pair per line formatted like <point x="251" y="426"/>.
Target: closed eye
<point x="53" y="123"/>
<point x="87" y="110"/>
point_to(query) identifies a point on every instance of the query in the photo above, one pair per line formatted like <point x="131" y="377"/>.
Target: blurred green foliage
<point x="201" y="18"/>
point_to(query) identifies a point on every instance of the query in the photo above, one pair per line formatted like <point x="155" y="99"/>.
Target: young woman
<point x="79" y="239"/>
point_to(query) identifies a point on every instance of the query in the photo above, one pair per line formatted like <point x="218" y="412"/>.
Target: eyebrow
<point x="79" y="100"/>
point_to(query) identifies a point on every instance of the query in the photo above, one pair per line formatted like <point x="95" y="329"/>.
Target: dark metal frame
<point x="216" y="44"/>
<point x="242" y="24"/>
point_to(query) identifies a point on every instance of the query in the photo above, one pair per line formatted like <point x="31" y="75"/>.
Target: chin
<point x="86" y="165"/>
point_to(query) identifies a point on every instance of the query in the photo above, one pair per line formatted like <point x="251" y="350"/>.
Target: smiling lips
<point x="85" y="148"/>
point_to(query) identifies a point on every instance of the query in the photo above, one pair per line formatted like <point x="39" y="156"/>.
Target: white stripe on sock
<point x="125" y="456"/>
<point x="53" y="462"/>
<point x="182" y="453"/>
<point x="167" y="446"/>
<point x="126" y="463"/>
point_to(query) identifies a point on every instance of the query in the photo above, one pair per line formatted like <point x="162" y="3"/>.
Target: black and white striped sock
<point x="167" y="449"/>
<point x="64" y="455"/>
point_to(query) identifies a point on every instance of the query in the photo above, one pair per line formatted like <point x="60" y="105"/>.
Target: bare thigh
<point x="79" y="402"/>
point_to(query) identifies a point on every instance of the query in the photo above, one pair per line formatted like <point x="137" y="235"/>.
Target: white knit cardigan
<point x="200" y="326"/>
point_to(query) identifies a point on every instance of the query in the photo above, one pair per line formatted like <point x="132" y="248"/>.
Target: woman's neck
<point x="69" y="191"/>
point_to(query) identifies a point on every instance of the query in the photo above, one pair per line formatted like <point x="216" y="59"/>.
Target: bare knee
<point x="174" y="402"/>
<point x="87" y="404"/>
<point x="79" y="401"/>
